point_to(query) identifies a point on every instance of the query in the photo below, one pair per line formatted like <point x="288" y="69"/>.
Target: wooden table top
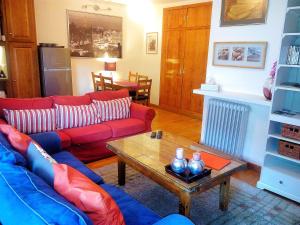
<point x="153" y="154"/>
<point x="125" y="84"/>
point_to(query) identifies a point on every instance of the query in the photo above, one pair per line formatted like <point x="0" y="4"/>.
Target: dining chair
<point x="97" y="81"/>
<point x="132" y="77"/>
<point x="107" y="83"/>
<point x="143" y="92"/>
<point x="142" y="77"/>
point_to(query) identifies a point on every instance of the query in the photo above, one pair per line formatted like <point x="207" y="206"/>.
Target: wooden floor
<point x="186" y="127"/>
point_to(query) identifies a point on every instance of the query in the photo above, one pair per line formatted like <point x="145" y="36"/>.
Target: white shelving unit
<point x="281" y="174"/>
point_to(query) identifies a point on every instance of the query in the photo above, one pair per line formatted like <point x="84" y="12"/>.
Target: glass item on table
<point x="179" y="164"/>
<point x="196" y="165"/>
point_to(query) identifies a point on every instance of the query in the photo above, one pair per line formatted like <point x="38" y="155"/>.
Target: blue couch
<point x="17" y="183"/>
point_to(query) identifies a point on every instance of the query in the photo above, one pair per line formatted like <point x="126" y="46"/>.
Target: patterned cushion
<point x="31" y="121"/>
<point x="114" y="109"/>
<point x="87" y="196"/>
<point x="76" y="116"/>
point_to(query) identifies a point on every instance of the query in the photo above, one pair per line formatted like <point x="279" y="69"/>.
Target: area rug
<point x="248" y="205"/>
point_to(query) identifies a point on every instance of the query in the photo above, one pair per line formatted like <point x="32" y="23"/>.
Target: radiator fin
<point x="226" y="126"/>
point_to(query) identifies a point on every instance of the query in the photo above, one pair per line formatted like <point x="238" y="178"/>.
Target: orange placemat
<point x="213" y="161"/>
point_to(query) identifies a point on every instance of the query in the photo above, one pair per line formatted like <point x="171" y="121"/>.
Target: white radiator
<point x="226" y="126"/>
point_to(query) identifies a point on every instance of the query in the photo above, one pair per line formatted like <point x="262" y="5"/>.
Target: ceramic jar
<point x="179" y="163"/>
<point x="196" y="165"/>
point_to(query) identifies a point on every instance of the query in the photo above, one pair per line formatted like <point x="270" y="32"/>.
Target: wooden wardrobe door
<point x="194" y="74"/>
<point x="171" y="77"/>
<point x="20" y="21"/>
<point x="24" y="79"/>
<point x="174" y="18"/>
<point x="199" y="15"/>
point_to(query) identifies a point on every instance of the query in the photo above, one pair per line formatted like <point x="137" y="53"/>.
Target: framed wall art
<point x="236" y="12"/>
<point x="152" y="43"/>
<point x="240" y="54"/>
<point x="94" y="35"/>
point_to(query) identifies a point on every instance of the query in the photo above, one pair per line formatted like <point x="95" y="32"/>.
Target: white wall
<point x="248" y="80"/>
<point x="51" y="24"/>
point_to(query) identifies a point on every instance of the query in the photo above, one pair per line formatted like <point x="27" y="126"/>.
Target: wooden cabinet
<point x="184" y="57"/>
<point x="20" y="21"/>
<point x="19" y="29"/>
<point x="24" y="79"/>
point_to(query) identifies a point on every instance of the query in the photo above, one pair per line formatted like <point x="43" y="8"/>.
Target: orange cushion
<point x="213" y="161"/>
<point x="17" y="139"/>
<point x="86" y="195"/>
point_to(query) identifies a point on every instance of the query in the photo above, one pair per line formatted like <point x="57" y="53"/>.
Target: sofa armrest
<point x="142" y="112"/>
<point x="49" y="141"/>
<point x="3" y="121"/>
<point x="174" y="219"/>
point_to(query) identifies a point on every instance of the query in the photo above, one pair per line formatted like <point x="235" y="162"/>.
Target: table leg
<point x="224" y="194"/>
<point x="121" y="172"/>
<point x="184" y="204"/>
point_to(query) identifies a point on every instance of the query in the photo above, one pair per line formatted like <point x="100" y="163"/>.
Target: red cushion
<point x="25" y="103"/>
<point x="108" y="95"/>
<point x="18" y="140"/>
<point x="30" y="121"/>
<point x="69" y="116"/>
<point x="113" y="109"/>
<point x="64" y="138"/>
<point x="88" y="134"/>
<point x="72" y="100"/>
<point x="126" y="127"/>
<point x="86" y="195"/>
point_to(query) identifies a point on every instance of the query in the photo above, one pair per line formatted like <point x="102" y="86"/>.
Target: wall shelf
<point x="281" y="174"/>
<point x="235" y="96"/>
<point x="287" y="88"/>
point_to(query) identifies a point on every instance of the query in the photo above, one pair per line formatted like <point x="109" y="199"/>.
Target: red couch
<point x="89" y="143"/>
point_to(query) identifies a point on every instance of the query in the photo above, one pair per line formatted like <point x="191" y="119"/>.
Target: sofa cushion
<point x="69" y="116"/>
<point x="86" y="195"/>
<point x="72" y="100"/>
<point x="69" y="159"/>
<point x="30" y="121"/>
<point x="88" y="134"/>
<point x="65" y="140"/>
<point x="32" y="201"/>
<point x="8" y="153"/>
<point x="114" y="109"/>
<point x="134" y="212"/>
<point x="18" y="140"/>
<point x="24" y="103"/>
<point x="126" y="127"/>
<point x="108" y="95"/>
<point x="50" y="141"/>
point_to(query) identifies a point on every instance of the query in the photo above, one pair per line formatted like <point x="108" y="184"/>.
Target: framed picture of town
<point x="94" y="35"/>
<point x="240" y="54"/>
<point x="245" y="12"/>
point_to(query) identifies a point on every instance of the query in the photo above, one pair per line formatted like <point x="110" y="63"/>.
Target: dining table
<point x="131" y="86"/>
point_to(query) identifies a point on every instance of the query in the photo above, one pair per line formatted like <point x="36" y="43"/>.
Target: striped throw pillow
<point x="30" y="121"/>
<point x="69" y="116"/>
<point x="114" y="109"/>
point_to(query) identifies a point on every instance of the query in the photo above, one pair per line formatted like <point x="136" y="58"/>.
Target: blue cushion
<point x="8" y="153"/>
<point x="134" y="212"/>
<point x="69" y="159"/>
<point x="40" y="163"/>
<point x="50" y="141"/>
<point x="174" y="219"/>
<point x="27" y="199"/>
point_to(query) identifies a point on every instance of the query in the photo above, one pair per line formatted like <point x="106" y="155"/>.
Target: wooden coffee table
<point x="149" y="157"/>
